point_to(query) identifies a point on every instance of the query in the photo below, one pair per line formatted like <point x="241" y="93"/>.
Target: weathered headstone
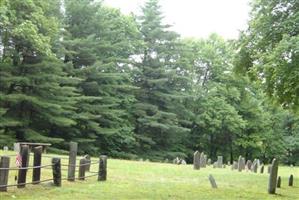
<point x="278" y="182"/>
<point x="220" y="161"/>
<point x="196" y="160"/>
<point x="215" y="165"/>
<point x="243" y="163"/>
<point x="291" y="180"/>
<point x="269" y="168"/>
<point x="254" y="167"/>
<point x="212" y="181"/>
<point x="205" y="161"/>
<point x="235" y="164"/>
<point x="4" y="163"/>
<point x="176" y="161"/>
<point x="209" y="161"/>
<point x="82" y="169"/>
<point x="273" y="177"/>
<point x="5" y="148"/>
<point x="248" y="164"/>
<point x="202" y="157"/>
<point x="240" y="167"/>
<point x="262" y="169"/>
<point x="258" y="162"/>
<point x="183" y="162"/>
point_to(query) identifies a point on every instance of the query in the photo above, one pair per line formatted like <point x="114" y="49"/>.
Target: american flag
<point x="19" y="160"/>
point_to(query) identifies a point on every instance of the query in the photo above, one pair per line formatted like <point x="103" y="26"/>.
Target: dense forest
<point x="128" y="86"/>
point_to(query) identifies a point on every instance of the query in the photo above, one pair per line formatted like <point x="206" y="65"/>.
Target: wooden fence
<point x="55" y="165"/>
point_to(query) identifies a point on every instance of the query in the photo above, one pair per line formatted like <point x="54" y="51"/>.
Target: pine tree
<point x="158" y="127"/>
<point x="36" y="94"/>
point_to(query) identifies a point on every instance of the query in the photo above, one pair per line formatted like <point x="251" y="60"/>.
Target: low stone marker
<point x="262" y="169"/>
<point x="209" y="161"/>
<point x="5" y="148"/>
<point x="278" y="182"/>
<point x="56" y="168"/>
<point x="196" y="160"/>
<point x="215" y="164"/>
<point x="273" y="177"/>
<point x="220" y="161"/>
<point x="183" y="162"/>
<point x="291" y="180"/>
<point x="212" y="181"/>
<point x="235" y="164"/>
<point x="102" y="175"/>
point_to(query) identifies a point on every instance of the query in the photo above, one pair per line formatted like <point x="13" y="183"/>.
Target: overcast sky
<point x="197" y="18"/>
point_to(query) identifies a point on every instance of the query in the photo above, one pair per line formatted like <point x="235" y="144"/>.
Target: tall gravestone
<point x="248" y="164"/>
<point x="273" y="177"/>
<point x="240" y="164"/>
<point x="254" y="167"/>
<point x="202" y="157"/>
<point x="196" y="160"/>
<point x="219" y="161"/>
<point x="243" y="163"/>
<point x="262" y="169"/>
<point x="205" y="161"/>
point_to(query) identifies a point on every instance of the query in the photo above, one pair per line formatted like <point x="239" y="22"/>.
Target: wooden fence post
<point x="4" y="163"/>
<point x="102" y="175"/>
<point x="56" y="168"/>
<point x="23" y="172"/>
<point x="88" y="161"/>
<point x="72" y="161"/>
<point x="37" y="162"/>
<point x="82" y="168"/>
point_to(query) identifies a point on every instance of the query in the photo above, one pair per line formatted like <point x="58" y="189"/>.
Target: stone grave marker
<point x="212" y="181"/>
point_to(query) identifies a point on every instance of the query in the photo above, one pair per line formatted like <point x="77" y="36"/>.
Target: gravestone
<point x="291" y="180"/>
<point x="5" y="148"/>
<point x="254" y="167"/>
<point x="212" y="181"/>
<point x="202" y="157"/>
<point x="209" y="162"/>
<point x="205" y="161"/>
<point x="183" y="162"/>
<point x="243" y="163"/>
<point x="219" y="161"/>
<point x="258" y="162"/>
<point x="248" y="164"/>
<point x="253" y="163"/>
<point x="262" y="169"/>
<point x="269" y="168"/>
<point x="240" y="164"/>
<point x="273" y="177"/>
<point x="235" y="165"/>
<point x="278" y="182"/>
<point x="196" y="160"/>
<point x="215" y="165"/>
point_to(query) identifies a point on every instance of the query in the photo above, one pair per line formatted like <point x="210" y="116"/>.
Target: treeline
<point x="130" y="87"/>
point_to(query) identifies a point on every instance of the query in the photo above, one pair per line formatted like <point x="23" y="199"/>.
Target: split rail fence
<point x="56" y="166"/>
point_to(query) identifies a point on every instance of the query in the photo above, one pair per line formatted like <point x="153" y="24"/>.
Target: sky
<point x="197" y="18"/>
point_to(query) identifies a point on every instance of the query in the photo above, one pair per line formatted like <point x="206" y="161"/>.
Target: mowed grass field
<point x="147" y="180"/>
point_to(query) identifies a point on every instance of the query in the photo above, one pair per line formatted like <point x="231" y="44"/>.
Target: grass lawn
<point x="146" y="180"/>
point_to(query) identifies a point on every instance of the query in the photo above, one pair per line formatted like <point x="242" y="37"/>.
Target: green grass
<point x="146" y="180"/>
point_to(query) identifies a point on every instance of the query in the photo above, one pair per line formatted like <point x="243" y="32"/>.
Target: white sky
<point x="197" y="18"/>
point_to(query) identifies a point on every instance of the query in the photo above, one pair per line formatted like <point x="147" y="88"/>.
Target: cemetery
<point x="149" y="99"/>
